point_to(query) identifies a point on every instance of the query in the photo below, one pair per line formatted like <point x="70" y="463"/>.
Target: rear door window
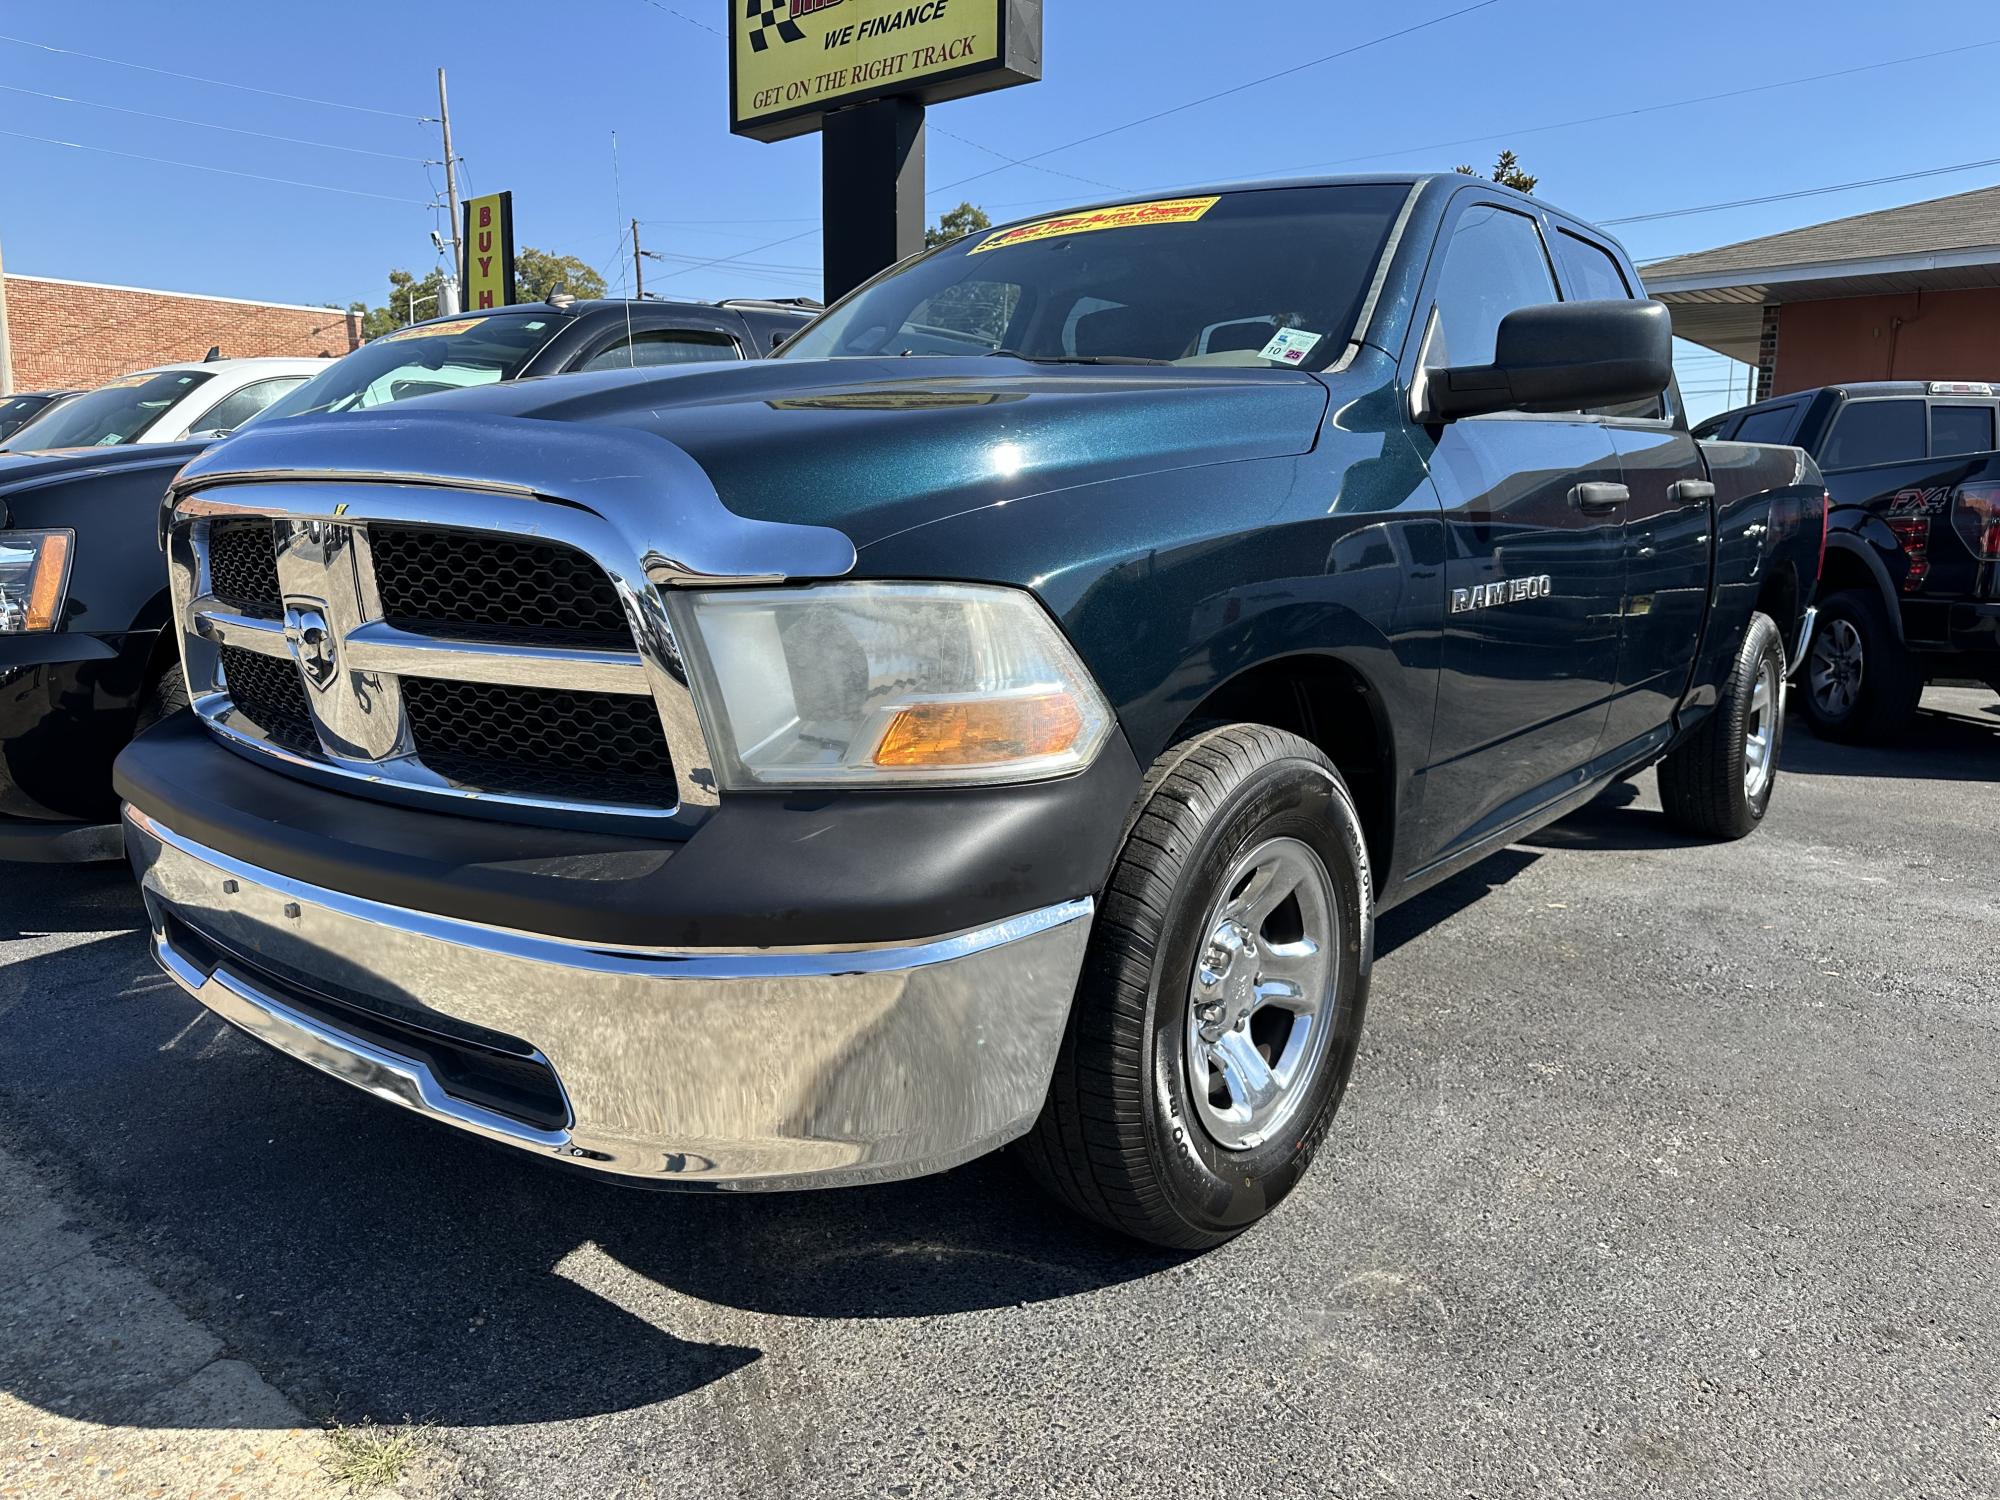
<point x="1961" y="429"/>
<point x="1875" y="432"/>
<point x="1770" y="426"/>
<point x="663" y="346"/>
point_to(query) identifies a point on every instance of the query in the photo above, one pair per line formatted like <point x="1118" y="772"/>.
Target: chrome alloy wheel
<point x="1260" y="1005"/>
<point x="1835" y="669"/>
<point x="1760" y="733"/>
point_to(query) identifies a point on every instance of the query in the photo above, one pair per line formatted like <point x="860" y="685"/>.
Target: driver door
<point x="1533" y="509"/>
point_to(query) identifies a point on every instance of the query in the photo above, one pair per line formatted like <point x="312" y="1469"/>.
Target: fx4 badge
<point x="1507" y="591"/>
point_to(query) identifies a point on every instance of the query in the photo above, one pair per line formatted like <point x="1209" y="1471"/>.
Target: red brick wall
<point x="70" y="335"/>
<point x="1918" y="336"/>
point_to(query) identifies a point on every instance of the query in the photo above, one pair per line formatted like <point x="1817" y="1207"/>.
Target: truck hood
<point x="873" y="447"/>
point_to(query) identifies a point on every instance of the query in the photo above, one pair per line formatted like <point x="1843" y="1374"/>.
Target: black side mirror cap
<point x="1562" y="356"/>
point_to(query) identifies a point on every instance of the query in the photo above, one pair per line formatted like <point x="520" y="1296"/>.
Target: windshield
<point x="420" y="361"/>
<point x="15" y="411"/>
<point x="117" y="413"/>
<point x="1253" y="280"/>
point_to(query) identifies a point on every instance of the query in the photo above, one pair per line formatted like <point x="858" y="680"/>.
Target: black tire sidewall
<point x="1216" y="1190"/>
<point x="1879" y="659"/>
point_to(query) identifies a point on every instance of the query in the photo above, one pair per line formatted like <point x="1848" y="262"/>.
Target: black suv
<point x="1910" y="592"/>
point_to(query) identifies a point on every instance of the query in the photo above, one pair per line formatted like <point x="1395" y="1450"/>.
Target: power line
<point x="290" y="140"/>
<point x="1176" y="109"/>
<point x="1015" y="161"/>
<point x="220" y="83"/>
<point x="684" y="16"/>
<point x="1029" y="161"/>
<point x="1837" y="187"/>
<point x="195" y="166"/>
<point x="1515" y="132"/>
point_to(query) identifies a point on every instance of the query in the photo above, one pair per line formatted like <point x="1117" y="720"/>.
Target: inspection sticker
<point x="1128" y="216"/>
<point x="1291" y="346"/>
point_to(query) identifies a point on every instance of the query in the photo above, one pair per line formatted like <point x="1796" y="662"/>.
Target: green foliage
<point x="1507" y="172"/>
<point x="967" y="218"/>
<point x="538" y="276"/>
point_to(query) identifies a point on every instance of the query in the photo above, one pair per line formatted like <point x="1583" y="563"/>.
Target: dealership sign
<point x="489" y="251"/>
<point x="793" y="61"/>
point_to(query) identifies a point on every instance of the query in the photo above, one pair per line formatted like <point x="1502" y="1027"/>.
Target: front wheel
<point x="1717" y="782"/>
<point x="1222" y="997"/>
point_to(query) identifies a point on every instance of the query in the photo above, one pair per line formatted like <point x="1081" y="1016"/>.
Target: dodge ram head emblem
<point x="1507" y="591"/>
<point x="311" y="642"/>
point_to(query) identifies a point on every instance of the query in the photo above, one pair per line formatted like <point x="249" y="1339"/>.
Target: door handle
<point x="1690" y="490"/>
<point x="1596" y="496"/>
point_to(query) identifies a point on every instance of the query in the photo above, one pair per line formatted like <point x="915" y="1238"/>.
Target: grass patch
<point x="367" y="1458"/>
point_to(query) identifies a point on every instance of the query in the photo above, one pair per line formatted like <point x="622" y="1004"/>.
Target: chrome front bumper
<point x="775" y="1068"/>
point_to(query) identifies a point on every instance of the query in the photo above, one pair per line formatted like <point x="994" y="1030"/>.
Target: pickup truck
<point x="1911" y="588"/>
<point x="829" y="769"/>
<point x="80" y="677"/>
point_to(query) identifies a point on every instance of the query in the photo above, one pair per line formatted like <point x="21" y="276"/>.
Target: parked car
<point x="828" y="769"/>
<point x="80" y="678"/>
<point x="164" y="404"/>
<point x="17" y="410"/>
<point x="1911" y="589"/>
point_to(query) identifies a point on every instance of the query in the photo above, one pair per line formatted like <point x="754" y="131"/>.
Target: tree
<point x="538" y="275"/>
<point x="967" y="218"/>
<point x="1507" y="172"/>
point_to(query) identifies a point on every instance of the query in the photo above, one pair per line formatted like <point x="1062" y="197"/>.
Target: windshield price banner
<point x="793" y="61"/>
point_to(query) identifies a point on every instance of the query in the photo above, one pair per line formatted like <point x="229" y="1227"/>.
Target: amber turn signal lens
<point x="986" y="733"/>
<point x="51" y="568"/>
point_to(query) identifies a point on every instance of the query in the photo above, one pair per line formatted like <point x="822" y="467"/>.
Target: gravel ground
<point x="1668" y="1170"/>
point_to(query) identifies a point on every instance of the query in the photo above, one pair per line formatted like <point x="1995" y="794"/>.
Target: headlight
<point x="888" y="682"/>
<point x="34" y="570"/>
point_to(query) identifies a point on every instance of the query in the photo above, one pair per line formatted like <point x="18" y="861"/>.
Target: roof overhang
<point x="1724" y="310"/>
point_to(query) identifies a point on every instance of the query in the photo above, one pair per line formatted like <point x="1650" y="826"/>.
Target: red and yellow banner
<point x="1127" y="216"/>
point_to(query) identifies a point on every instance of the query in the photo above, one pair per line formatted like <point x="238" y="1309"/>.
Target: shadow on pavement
<point x="372" y="1262"/>
<point x="1953" y="738"/>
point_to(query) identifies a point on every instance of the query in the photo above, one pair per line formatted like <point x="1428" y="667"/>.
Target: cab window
<point x="663" y="346"/>
<point x="1961" y="429"/>
<point x="1875" y="432"/>
<point x="1771" y="426"/>
<point x="1494" y="264"/>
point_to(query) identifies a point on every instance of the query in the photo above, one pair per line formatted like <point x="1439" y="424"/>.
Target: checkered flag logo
<point x="770" y="16"/>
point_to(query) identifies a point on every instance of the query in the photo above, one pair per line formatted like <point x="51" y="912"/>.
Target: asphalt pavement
<point x="1668" y="1169"/>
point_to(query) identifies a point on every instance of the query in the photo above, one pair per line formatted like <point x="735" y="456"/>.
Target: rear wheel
<point x="1718" y="781"/>
<point x="1221" y="1002"/>
<point x="1860" y="682"/>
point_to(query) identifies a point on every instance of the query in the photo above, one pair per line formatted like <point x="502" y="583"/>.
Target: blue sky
<point x="537" y="93"/>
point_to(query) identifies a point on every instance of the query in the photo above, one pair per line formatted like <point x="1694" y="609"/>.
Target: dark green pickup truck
<point x="999" y="718"/>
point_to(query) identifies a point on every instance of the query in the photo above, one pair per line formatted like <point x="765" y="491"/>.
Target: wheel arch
<point x="1851" y="562"/>
<point x="1314" y="694"/>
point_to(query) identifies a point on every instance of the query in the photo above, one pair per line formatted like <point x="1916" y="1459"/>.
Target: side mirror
<point x="1564" y="356"/>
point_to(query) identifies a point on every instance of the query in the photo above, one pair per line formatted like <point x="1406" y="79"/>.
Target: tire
<point x="1168" y="1005"/>
<point x="166" y="694"/>
<point x="1860" y="684"/>
<point x="1717" y="783"/>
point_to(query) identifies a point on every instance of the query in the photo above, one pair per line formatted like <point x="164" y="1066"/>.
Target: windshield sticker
<point x="431" y="330"/>
<point x="1130" y="216"/>
<point x="124" y="381"/>
<point x="1292" y="346"/>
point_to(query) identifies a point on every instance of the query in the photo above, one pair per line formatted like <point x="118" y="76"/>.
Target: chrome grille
<point x="499" y="672"/>
<point x="540" y="742"/>
<point x="268" y="692"/>
<point x="451" y="582"/>
<point x="243" y="567"/>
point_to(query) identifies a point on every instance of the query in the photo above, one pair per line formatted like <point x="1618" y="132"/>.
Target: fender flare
<point x="1871" y="559"/>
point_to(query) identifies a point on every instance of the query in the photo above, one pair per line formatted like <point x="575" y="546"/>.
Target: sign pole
<point x="6" y="346"/>
<point x="872" y="190"/>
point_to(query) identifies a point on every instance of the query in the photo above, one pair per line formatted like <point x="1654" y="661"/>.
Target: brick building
<point x="1909" y="293"/>
<point x="81" y="333"/>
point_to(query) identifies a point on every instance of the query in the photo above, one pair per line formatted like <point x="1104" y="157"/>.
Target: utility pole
<point x="451" y="185"/>
<point x="638" y="266"/>
<point x="6" y="348"/>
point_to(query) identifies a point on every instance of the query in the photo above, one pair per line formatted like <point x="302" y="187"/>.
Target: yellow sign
<point x="488" y="243"/>
<point x="792" y="61"/>
<point x="1128" y="216"/>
